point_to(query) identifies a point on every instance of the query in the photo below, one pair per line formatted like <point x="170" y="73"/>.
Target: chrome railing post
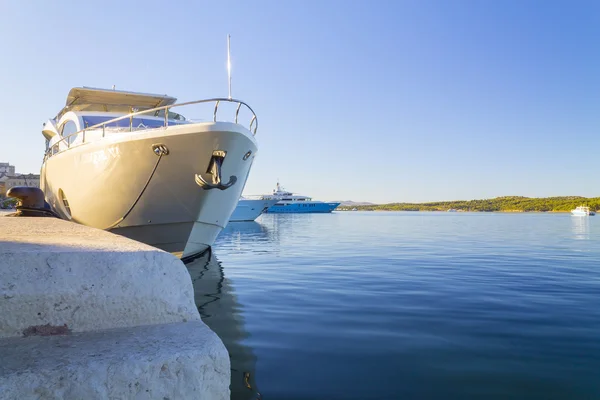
<point x="166" y="117"/>
<point x="103" y="126"/>
<point x="215" y="113"/>
<point x="83" y="137"/>
<point x="237" y="111"/>
<point x="252" y="122"/>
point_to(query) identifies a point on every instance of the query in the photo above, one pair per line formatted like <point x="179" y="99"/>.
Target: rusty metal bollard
<point x="31" y="202"/>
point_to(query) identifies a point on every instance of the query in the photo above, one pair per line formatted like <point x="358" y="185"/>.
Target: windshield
<point x="172" y="115"/>
<point x="136" y="122"/>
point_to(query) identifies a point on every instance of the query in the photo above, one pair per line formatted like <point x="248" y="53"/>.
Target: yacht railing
<point x="65" y="143"/>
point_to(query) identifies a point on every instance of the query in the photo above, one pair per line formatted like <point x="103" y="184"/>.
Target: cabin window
<point x="171" y="115"/>
<point x="69" y="128"/>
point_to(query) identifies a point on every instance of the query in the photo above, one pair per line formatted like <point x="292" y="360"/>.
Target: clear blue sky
<point x="369" y="101"/>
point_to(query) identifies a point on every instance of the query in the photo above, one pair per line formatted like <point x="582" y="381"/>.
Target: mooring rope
<point x="141" y="193"/>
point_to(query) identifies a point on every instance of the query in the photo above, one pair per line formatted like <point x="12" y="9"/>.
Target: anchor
<point x="214" y="169"/>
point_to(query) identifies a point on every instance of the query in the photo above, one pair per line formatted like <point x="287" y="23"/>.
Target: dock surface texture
<point x="85" y="313"/>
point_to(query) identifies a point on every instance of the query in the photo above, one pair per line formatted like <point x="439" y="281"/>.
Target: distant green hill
<point x="506" y="204"/>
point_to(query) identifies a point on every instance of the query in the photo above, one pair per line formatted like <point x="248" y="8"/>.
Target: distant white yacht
<point x="250" y="209"/>
<point x="582" y="211"/>
<point x="287" y="202"/>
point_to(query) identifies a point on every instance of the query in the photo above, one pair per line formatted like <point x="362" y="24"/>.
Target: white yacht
<point x="287" y="202"/>
<point x="250" y="209"/>
<point x="582" y="211"/>
<point x="125" y="162"/>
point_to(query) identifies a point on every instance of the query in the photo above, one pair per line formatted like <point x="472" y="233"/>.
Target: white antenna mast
<point x="229" y="63"/>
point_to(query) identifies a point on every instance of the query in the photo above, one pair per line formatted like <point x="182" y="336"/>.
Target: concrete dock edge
<point x="88" y="314"/>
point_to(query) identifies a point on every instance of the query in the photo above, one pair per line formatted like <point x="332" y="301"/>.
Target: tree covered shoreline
<point x="498" y="204"/>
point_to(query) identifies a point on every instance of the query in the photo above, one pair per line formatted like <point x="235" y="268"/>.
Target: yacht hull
<point x="303" y="207"/>
<point x="122" y="184"/>
<point x="582" y="214"/>
<point x="250" y="209"/>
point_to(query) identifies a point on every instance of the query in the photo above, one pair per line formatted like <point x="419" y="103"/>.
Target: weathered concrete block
<point x="170" y="361"/>
<point x="57" y="272"/>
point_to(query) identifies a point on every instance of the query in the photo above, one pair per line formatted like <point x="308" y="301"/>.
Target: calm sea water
<point x="369" y="305"/>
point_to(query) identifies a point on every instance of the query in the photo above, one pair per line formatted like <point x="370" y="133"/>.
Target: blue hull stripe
<point x="303" y="208"/>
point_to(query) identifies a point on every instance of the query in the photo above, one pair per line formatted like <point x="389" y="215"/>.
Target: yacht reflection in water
<point x="580" y="227"/>
<point x="271" y="229"/>
<point x="220" y="310"/>
<point x="236" y="233"/>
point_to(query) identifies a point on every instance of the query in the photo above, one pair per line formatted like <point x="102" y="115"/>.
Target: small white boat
<point x="250" y="209"/>
<point x="582" y="211"/>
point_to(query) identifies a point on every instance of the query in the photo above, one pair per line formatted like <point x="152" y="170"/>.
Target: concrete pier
<point x="88" y="314"/>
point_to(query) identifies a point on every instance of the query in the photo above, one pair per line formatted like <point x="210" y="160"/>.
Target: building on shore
<point x="6" y="169"/>
<point x="9" y="181"/>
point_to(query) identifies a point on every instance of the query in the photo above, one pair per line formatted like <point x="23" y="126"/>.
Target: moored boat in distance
<point x="287" y="202"/>
<point x="582" y="211"/>
<point x="250" y="209"/>
<point x="125" y="162"/>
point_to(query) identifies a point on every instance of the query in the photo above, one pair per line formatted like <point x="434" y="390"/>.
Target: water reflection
<point x="235" y="234"/>
<point x="279" y="227"/>
<point x="273" y="229"/>
<point x="580" y="227"/>
<point x="221" y="311"/>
